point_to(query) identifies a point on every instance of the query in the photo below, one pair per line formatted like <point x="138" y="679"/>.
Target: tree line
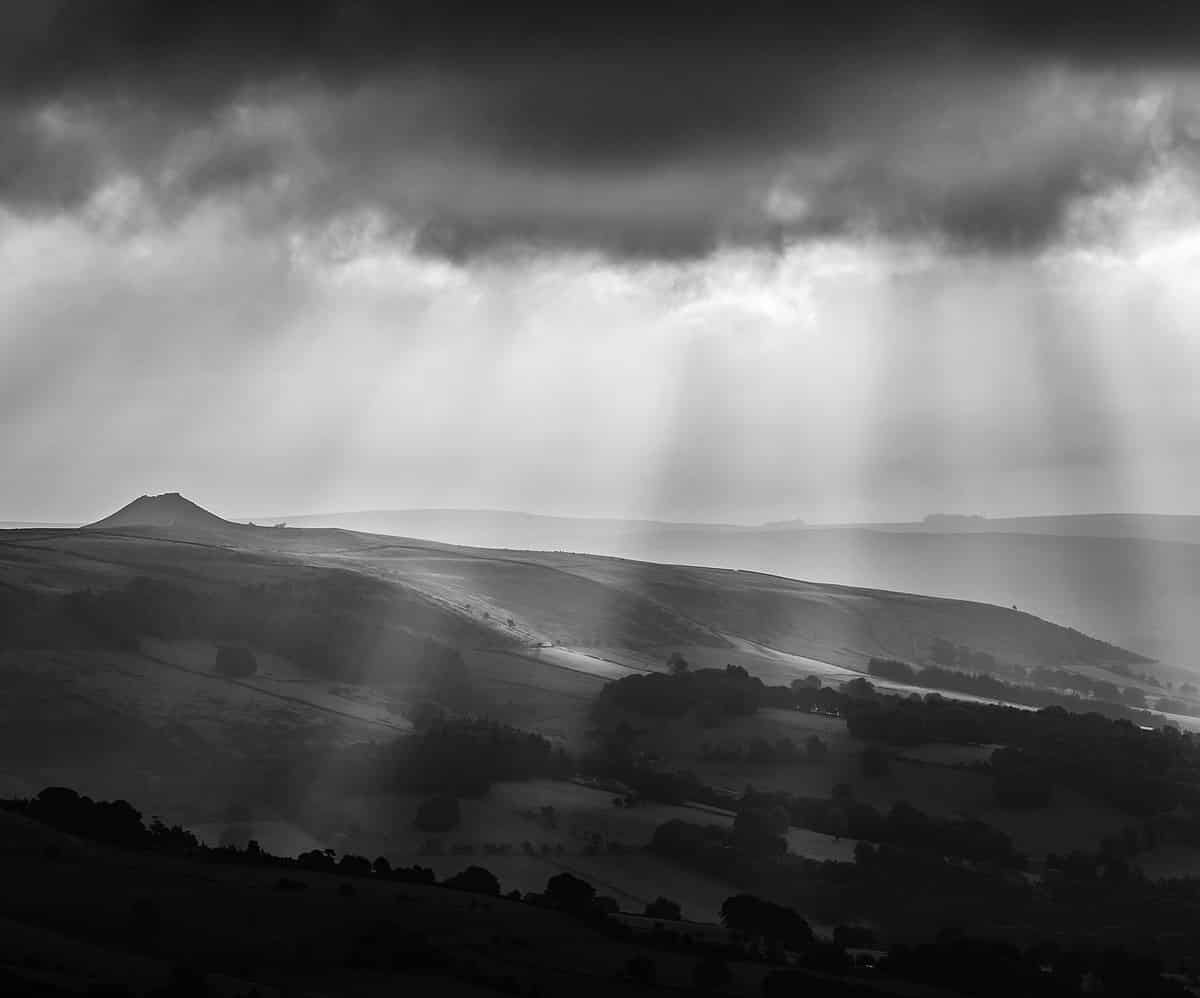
<point x="1110" y="700"/>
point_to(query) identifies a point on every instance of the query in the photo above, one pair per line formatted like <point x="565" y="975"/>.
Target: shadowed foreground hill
<point x="97" y="902"/>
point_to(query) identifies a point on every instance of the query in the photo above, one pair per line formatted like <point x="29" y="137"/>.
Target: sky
<point x="732" y="262"/>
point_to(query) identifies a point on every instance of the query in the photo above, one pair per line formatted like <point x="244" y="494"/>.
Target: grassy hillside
<point x="1131" y="580"/>
<point x="292" y="686"/>
<point x="111" y="638"/>
<point x="357" y="604"/>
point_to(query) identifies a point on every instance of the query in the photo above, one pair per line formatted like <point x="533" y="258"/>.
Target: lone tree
<point x="571" y="894"/>
<point x="752" y="916"/>
<point x="665" y="909"/>
<point x="761" y="829"/>
<point x="475" y="879"/>
<point x="235" y="662"/>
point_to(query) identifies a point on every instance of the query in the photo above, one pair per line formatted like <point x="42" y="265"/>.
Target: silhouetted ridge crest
<point x="167" y="510"/>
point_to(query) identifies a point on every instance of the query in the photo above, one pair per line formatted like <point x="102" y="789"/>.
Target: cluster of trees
<point x="463" y="758"/>
<point x="902" y="825"/>
<point x="1100" y="689"/>
<point x="893" y="669"/>
<point x="713" y="694"/>
<point x="1054" y="689"/>
<point x="1077" y="646"/>
<point x="773" y="923"/>
<point x="908" y="893"/>
<point x="573" y="895"/>
<point x="564" y="891"/>
<point x="961" y="656"/>
<point x="1119" y="706"/>
<point x="649" y="783"/>
<point x="887" y="884"/>
<point x="764" y="817"/>
<point x="475" y="879"/>
<point x="760" y="828"/>
<point x="665" y="909"/>
<point x="708" y="847"/>
<point x="350" y="865"/>
<point x="991" y="967"/>
<point x="115" y="822"/>
<point x="1141" y="772"/>
<point x="944" y="654"/>
<point x="118" y="823"/>
<point x="1138" y="771"/>
<point x="912" y="893"/>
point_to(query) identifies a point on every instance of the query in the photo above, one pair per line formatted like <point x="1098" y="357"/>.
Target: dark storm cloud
<point x="480" y="125"/>
<point x="41" y="172"/>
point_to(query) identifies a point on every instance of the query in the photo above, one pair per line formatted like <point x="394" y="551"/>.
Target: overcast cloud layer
<point x="744" y="262"/>
<point x="659" y="133"/>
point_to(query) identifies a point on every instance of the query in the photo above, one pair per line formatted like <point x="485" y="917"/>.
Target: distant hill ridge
<point x="623" y="614"/>
<point x="1131" y="579"/>
<point x="1130" y="590"/>
<point x="167" y="510"/>
<point x="408" y="522"/>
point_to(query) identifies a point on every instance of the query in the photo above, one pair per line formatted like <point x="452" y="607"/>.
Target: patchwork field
<point x="524" y="832"/>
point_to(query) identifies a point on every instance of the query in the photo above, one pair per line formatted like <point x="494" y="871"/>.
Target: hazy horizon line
<point x="728" y="524"/>
<point x="798" y="522"/>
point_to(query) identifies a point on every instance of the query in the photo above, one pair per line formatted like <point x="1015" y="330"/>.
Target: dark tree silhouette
<point x="893" y="669"/>
<point x="475" y="879"/>
<point x="116" y="822"/>
<point x="570" y="893"/>
<point x="761" y="829"/>
<point x="677" y="664"/>
<point x="665" y="909"/>
<point x="753" y="916"/>
<point x="354" y="866"/>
